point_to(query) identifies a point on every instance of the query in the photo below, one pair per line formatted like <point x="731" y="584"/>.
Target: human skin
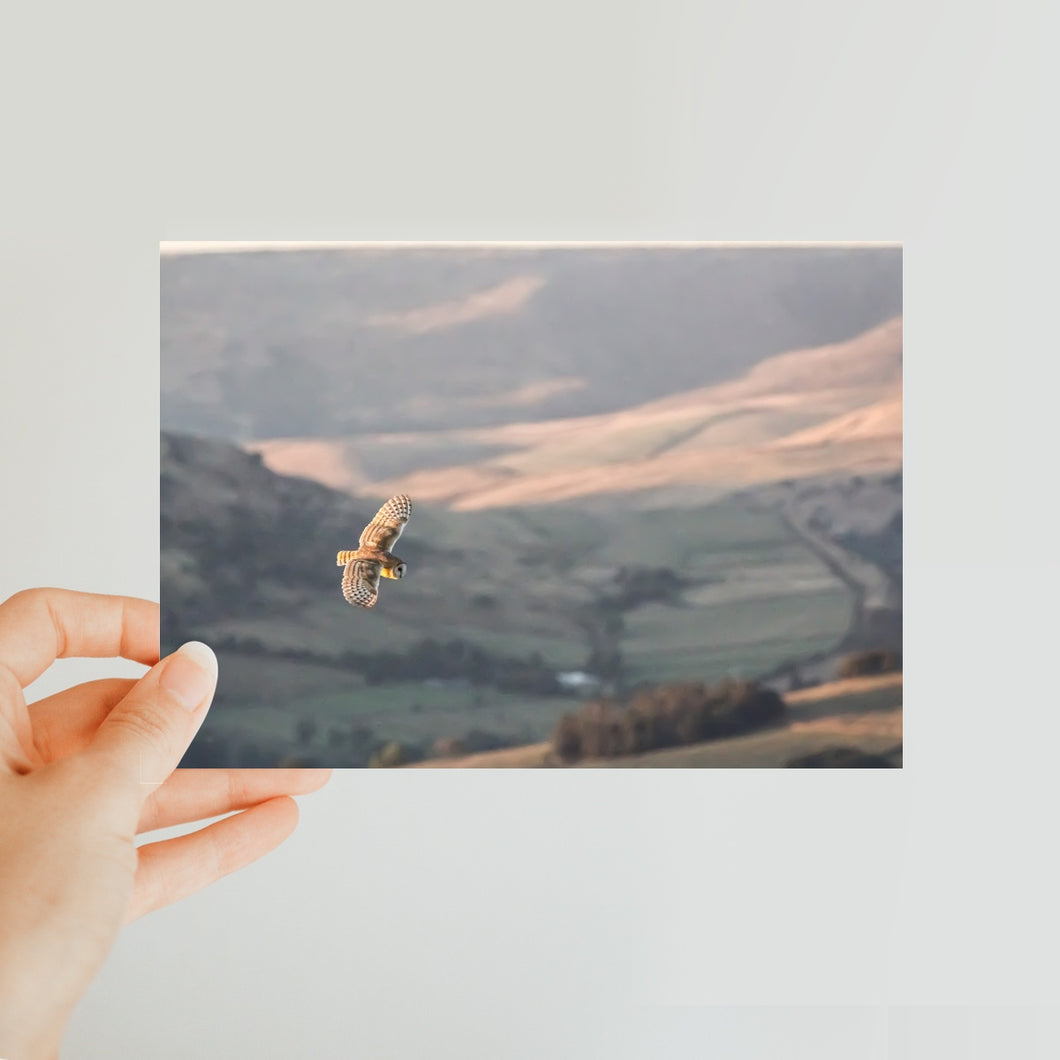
<point x="82" y="773"/>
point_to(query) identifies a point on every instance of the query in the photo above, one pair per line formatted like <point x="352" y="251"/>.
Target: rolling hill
<point x="698" y="592"/>
<point x="328" y="343"/>
<point x="803" y="413"/>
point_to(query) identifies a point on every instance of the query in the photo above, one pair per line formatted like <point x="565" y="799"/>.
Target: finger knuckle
<point x="145" y="725"/>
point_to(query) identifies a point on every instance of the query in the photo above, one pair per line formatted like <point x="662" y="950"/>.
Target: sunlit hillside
<point x="807" y="412"/>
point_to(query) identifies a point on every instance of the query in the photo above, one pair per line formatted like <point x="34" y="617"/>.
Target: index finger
<point x="38" y="626"/>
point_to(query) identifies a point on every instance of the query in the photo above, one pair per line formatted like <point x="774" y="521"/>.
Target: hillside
<point x="497" y="602"/>
<point x="864" y="712"/>
<point x="239" y="540"/>
<point x="336" y="342"/>
<point x="811" y="412"/>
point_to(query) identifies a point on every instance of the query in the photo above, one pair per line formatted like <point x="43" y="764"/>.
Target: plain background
<point x="743" y="915"/>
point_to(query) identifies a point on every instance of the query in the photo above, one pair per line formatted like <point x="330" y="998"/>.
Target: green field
<point x="411" y="712"/>
<point x="512" y="583"/>
<point x="717" y="541"/>
<point x="741" y="637"/>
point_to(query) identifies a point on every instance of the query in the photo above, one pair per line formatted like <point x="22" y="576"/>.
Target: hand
<point x="81" y="774"/>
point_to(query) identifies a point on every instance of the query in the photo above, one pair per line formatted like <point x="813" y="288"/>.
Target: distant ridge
<point x="335" y="342"/>
<point x="807" y="412"/>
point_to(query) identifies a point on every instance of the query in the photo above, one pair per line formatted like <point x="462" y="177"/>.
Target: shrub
<point x="868" y="663"/>
<point x="389" y="755"/>
<point x="394" y="753"/>
<point x="600" y="729"/>
<point x="448" y="747"/>
<point x="639" y="585"/>
<point x="665" y="716"/>
<point x="758" y="707"/>
<point x="638" y="732"/>
<point x="567" y="738"/>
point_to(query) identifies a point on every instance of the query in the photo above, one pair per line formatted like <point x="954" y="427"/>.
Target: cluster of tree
<point x="454" y="659"/>
<point x="640" y="585"/>
<point x="457" y="659"/>
<point x="867" y="663"/>
<point x="255" y="646"/>
<point x="602" y="626"/>
<point x="360" y="746"/>
<point x="666" y="716"/>
<point x="340" y="748"/>
<point x="394" y="753"/>
<point x="602" y="623"/>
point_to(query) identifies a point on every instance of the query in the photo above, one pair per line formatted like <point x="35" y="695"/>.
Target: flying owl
<point x="372" y="559"/>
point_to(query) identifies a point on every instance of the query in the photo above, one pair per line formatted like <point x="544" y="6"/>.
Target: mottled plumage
<point x="372" y="559"/>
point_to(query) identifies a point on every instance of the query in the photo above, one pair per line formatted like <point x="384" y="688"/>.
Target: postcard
<point x="536" y="505"/>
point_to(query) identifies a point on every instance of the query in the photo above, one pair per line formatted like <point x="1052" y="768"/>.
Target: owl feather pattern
<point x="372" y="559"/>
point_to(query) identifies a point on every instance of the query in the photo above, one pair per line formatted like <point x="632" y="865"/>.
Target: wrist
<point x="26" y="1032"/>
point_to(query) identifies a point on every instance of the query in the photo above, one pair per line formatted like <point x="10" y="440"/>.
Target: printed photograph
<point x="536" y="506"/>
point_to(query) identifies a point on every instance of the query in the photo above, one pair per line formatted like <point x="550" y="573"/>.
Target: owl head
<point x="396" y="568"/>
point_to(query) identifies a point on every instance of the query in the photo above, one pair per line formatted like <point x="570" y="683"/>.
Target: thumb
<point x="143" y="738"/>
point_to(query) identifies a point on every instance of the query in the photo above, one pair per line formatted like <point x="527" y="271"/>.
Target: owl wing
<point x="386" y="527"/>
<point x="360" y="582"/>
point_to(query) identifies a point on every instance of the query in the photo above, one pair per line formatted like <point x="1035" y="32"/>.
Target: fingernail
<point x="190" y="674"/>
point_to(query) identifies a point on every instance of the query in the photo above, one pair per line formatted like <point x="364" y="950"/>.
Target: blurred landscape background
<point x="657" y="502"/>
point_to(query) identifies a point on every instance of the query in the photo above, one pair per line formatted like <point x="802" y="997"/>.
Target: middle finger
<point x="194" y="794"/>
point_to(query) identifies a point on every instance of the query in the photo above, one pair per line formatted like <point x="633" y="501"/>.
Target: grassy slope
<point x="409" y="712"/>
<point x="757" y="617"/>
<point x="802" y="412"/>
<point x="864" y="712"/>
<point x="868" y="717"/>
<point x="775" y="598"/>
